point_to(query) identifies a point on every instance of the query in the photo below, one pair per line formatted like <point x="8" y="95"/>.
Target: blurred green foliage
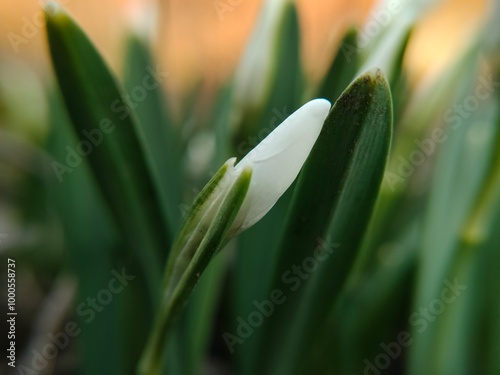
<point x="402" y="190"/>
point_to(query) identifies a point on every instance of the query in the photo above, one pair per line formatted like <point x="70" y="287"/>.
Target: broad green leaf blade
<point x="350" y="218"/>
<point x="343" y="69"/>
<point x="199" y="241"/>
<point x="332" y="204"/>
<point x="110" y="140"/>
<point x="143" y="86"/>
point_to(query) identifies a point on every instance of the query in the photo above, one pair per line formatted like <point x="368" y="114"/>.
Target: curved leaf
<point x="110" y="139"/>
<point x="332" y="204"/>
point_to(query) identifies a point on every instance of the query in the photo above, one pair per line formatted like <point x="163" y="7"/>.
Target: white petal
<point x="277" y="160"/>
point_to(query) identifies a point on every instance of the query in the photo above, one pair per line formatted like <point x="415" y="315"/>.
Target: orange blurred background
<point x="196" y="43"/>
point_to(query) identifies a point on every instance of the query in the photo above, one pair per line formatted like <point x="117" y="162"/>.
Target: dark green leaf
<point x="332" y="204"/>
<point x="161" y="137"/>
<point x="111" y="140"/>
<point x="343" y="69"/>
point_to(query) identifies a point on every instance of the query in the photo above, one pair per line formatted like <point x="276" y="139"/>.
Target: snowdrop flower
<point x="239" y="195"/>
<point x="274" y="164"/>
<point x="235" y="198"/>
<point x="252" y="75"/>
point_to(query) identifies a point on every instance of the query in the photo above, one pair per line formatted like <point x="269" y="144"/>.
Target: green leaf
<point x="107" y="128"/>
<point x="343" y="68"/>
<point x="332" y="204"/>
<point x="160" y="135"/>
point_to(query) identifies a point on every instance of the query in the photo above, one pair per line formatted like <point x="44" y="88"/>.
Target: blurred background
<point x="199" y="44"/>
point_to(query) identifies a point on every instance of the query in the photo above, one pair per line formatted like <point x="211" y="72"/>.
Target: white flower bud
<point x="277" y="160"/>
